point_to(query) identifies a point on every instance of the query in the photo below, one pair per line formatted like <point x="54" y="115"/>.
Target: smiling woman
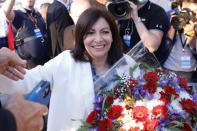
<point x="72" y="73"/>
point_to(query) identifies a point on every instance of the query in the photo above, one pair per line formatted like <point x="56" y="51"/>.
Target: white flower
<point x="184" y="94"/>
<point x="118" y="102"/>
<point x="157" y="95"/>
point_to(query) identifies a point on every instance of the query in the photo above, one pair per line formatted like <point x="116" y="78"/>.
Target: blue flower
<point x="150" y="96"/>
<point x="93" y="129"/>
<point x="99" y="99"/>
<point x="98" y="106"/>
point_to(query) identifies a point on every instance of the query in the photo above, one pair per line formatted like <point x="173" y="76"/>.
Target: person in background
<point x="97" y="3"/>
<point x="80" y="5"/>
<point x="72" y="73"/>
<point x="182" y="48"/>
<point x="17" y="6"/>
<point x="18" y="114"/>
<point x="31" y="37"/>
<point x="58" y="19"/>
<point x="43" y="11"/>
<point x="148" y="22"/>
<point x="3" y="29"/>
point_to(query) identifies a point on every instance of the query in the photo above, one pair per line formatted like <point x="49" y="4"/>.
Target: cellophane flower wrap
<point x="154" y="101"/>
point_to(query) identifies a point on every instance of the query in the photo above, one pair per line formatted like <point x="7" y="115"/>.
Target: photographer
<point x="182" y="38"/>
<point x="144" y="21"/>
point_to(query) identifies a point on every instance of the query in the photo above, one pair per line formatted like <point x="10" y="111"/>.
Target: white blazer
<point x="72" y="89"/>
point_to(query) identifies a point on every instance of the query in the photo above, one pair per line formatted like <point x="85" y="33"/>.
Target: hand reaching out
<point x="11" y="65"/>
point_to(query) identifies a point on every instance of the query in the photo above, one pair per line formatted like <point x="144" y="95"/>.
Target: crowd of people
<point x="71" y="42"/>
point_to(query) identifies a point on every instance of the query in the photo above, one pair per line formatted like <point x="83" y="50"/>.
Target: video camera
<point x="121" y="9"/>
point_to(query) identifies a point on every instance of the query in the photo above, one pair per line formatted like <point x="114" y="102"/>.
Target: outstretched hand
<point x="11" y="65"/>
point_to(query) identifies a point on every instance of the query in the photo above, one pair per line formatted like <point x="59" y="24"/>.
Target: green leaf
<point x="103" y="105"/>
<point x="132" y="69"/>
<point x="117" y="76"/>
<point x="174" y="124"/>
<point x="174" y="129"/>
<point x="146" y="67"/>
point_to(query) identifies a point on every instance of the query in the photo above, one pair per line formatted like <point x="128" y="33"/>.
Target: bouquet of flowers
<point x="154" y="101"/>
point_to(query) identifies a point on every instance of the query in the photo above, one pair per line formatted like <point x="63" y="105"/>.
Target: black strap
<point x="182" y="43"/>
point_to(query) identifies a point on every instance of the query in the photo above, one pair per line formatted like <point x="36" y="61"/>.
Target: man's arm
<point x="7" y="8"/>
<point x="150" y="38"/>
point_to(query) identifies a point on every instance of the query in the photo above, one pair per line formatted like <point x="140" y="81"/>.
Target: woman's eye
<point x="105" y="32"/>
<point x="90" y="32"/>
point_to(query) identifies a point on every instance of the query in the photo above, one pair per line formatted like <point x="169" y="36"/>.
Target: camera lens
<point x="178" y="22"/>
<point x="120" y="10"/>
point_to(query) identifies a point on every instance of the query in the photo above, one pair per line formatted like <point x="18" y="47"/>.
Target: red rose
<point x="183" y="83"/>
<point x="166" y="98"/>
<point x="187" y="104"/>
<point x="151" y="87"/>
<point x="169" y="90"/>
<point x="151" y="77"/>
<point x="109" y="101"/>
<point x="93" y="117"/>
<point x="105" y="125"/>
<point x="115" y="112"/>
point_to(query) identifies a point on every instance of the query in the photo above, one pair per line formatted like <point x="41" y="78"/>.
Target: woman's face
<point x="98" y="39"/>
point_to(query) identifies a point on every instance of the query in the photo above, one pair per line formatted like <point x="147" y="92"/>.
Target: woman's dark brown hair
<point x="86" y="20"/>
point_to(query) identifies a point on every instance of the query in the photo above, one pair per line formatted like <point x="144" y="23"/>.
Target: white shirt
<point x="3" y="25"/>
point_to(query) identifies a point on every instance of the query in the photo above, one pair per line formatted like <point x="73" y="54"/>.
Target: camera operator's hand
<point x="134" y="10"/>
<point x="11" y="65"/>
<point x="189" y="30"/>
<point x="28" y="115"/>
<point x="190" y="34"/>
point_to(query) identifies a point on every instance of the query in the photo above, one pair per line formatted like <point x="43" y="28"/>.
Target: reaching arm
<point x="11" y="65"/>
<point x="9" y="13"/>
